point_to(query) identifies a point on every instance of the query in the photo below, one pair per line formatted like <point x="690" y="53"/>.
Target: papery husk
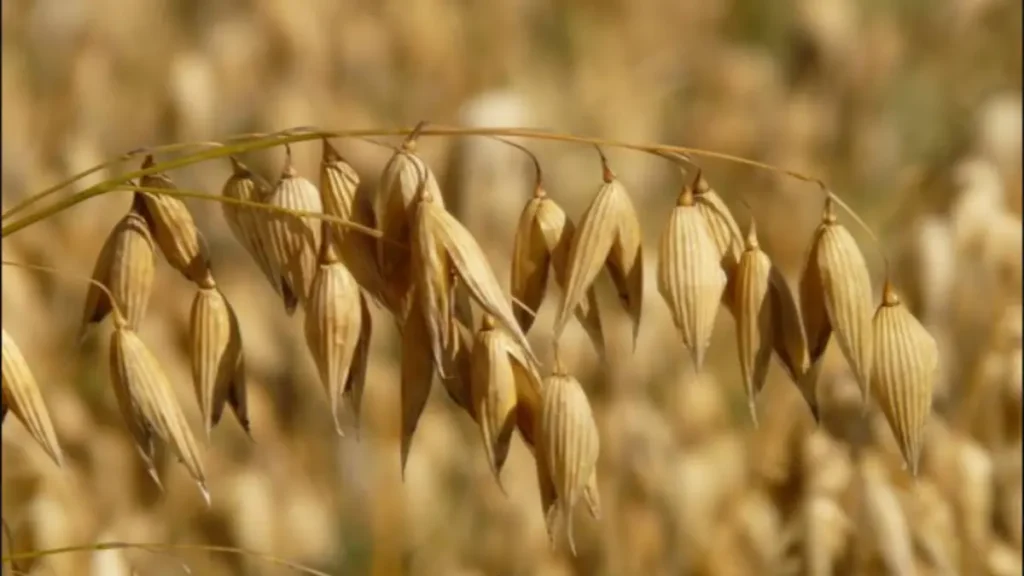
<point x="837" y="279"/>
<point x="906" y="360"/>
<point x="339" y="186"/>
<point x="568" y="442"/>
<point x="690" y="278"/>
<point x="173" y="228"/>
<point x="394" y="208"/>
<point x="752" y="310"/>
<point x="149" y="407"/>
<point x="294" y="241"/>
<point x="608" y="237"/>
<point x="21" y="395"/>
<point x="333" y="325"/>
<point x="218" y="361"/>
<point x="724" y="231"/>
<point x="543" y="238"/>
<point x="499" y="371"/>
<point x="126" y="266"/>
<point x="245" y="222"/>
<point x="417" y="374"/>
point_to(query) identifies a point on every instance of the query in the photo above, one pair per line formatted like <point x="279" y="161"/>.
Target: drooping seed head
<point x="752" y="311"/>
<point x="173" y="228"/>
<point x="22" y="397"/>
<point x="294" y="241"/>
<point x="126" y="266"/>
<point x="148" y="405"/>
<point x="218" y="364"/>
<point x="906" y="360"/>
<point x="333" y="325"/>
<point x="245" y="222"/>
<point x="690" y="279"/>
<point x="568" y="442"/>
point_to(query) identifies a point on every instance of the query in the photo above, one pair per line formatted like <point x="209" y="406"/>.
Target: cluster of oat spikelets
<point x="430" y="274"/>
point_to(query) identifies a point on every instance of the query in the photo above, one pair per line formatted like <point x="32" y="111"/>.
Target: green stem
<point x="247" y="143"/>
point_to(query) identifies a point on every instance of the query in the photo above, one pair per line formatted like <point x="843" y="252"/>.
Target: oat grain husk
<point x="174" y="229"/>
<point x="906" y="360"/>
<point x="417" y="375"/>
<point x="542" y="241"/>
<point x="245" y="222"/>
<point x="333" y="325"/>
<point x="294" y="241"/>
<point x="690" y="279"/>
<point x="22" y="397"/>
<point x="126" y="266"/>
<point x="339" y="187"/>
<point x="839" y="282"/>
<point x="569" y="445"/>
<point x="752" y="311"/>
<point x="499" y="371"/>
<point x="148" y="404"/>
<point x="218" y="363"/>
<point x="724" y="231"/>
<point x="608" y="237"/>
<point x="394" y="208"/>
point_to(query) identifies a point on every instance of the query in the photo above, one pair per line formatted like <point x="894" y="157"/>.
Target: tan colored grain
<point x="752" y="311"/>
<point x="22" y="397"/>
<point x="218" y="362"/>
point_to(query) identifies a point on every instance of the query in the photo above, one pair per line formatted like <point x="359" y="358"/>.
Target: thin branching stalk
<point x="247" y="143"/>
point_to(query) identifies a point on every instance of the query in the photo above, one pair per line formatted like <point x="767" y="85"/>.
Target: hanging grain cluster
<point x="404" y="251"/>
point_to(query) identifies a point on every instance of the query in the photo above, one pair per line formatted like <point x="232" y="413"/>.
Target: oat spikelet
<point x="432" y="277"/>
<point x="339" y="185"/>
<point x="356" y="382"/>
<point x="417" y="374"/>
<point x="294" y="241"/>
<point x="148" y="405"/>
<point x="608" y="237"/>
<point x="394" y="208"/>
<point x="173" y="228"/>
<point x="724" y="231"/>
<point x="126" y="266"/>
<point x="22" y="397"/>
<point x="244" y="222"/>
<point x="690" y="278"/>
<point x="543" y="238"/>
<point x="817" y="324"/>
<point x="753" y="317"/>
<point x="569" y="445"/>
<point x="906" y="360"/>
<point x="334" y="315"/>
<point x="218" y="364"/>
<point x="460" y="368"/>
<point x="443" y="237"/>
<point x="499" y="371"/>
<point x="845" y="289"/>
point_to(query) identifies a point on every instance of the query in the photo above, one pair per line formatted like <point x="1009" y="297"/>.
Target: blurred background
<point x="910" y="110"/>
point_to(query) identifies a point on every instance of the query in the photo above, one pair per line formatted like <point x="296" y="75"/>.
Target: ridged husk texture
<point x="22" y="397"/>
<point x="724" y="231"/>
<point x="568" y="446"/>
<point x="245" y="222"/>
<point x="836" y="298"/>
<point x="752" y="311"/>
<point x="294" y="241"/>
<point x="609" y="236"/>
<point x="334" y="317"/>
<point x="218" y="360"/>
<point x="149" y="407"/>
<point x="690" y="278"/>
<point x="173" y="228"/>
<point x="126" y="266"/>
<point x="906" y="361"/>
<point x="542" y="242"/>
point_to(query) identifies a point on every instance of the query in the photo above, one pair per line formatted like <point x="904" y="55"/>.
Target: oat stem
<point x="239" y="144"/>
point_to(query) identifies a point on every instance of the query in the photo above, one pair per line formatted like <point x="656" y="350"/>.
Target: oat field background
<point x="909" y="111"/>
